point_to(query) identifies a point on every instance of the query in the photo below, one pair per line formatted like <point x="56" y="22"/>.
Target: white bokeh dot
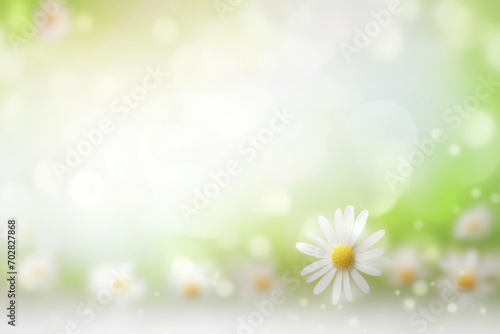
<point x="409" y="303"/>
<point x="225" y="288"/>
<point x="452" y="307"/>
<point x="432" y="253"/>
<point x="459" y="32"/>
<point x="418" y="225"/>
<point x="389" y="44"/>
<point x="492" y="52"/>
<point x="495" y="198"/>
<point x="420" y="288"/>
<point x="165" y="30"/>
<point x="479" y="130"/>
<point x="454" y="150"/>
<point x="259" y="247"/>
<point x="83" y="23"/>
<point x="475" y="193"/>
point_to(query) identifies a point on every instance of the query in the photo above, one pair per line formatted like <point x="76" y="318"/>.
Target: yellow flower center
<point x="262" y="283"/>
<point x="343" y="257"/>
<point x="192" y="290"/>
<point x="407" y="275"/>
<point x="466" y="281"/>
<point x="119" y="285"/>
<point x="474" y="227"/>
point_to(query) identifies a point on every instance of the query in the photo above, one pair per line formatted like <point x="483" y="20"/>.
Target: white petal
<point x="337" y="287"/>
<point x="312" y="250"/>
<point x="360" y="281"/>
<point x="368" y="255"/>
<point x="349" y="215"/>
<point x="320" y="242"/>
<point x="348" y="223"/>
<point x="327" y="229"/>
<point x="339" y="226"/>
<point x="471" y="260"/>
<point x="315" y="266"/>
<point x="367" y="269"/>
<point x="323" y="283"/>
<point x="347" y="285"/>
<point x="370" y="241"/>
<point x="359" y="226"/>
<point x="319" y="273"/>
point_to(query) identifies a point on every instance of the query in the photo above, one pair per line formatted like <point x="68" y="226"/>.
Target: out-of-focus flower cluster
<point x="474" y="275"/>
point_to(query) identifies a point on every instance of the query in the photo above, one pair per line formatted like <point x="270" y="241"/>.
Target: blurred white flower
<point x="474" y="224"/>
<point x="406" y="267"/>
<point x="257" y="279"/>
<point x="36" y="272"/>
<point x="460" y="31"/>
<point x="53" y="24"/>
<point x="120" y="280"/>
<point x="190" y="282"/>
<point x="341" y="254"/>
<point x="469" y="275"/>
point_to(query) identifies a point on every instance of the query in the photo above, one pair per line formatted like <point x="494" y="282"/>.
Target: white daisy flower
<point x="36" y="272"/>
<point x="406" y="267"/>
<point x="342" y="255"/>
<point x="258" y="279"/>
<point x="55" y="25"/>
<point x="120" y="280"/>
<point x="474" y="223"/>
<point x="468" y="275"/>
<point x="190" y="281"/>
